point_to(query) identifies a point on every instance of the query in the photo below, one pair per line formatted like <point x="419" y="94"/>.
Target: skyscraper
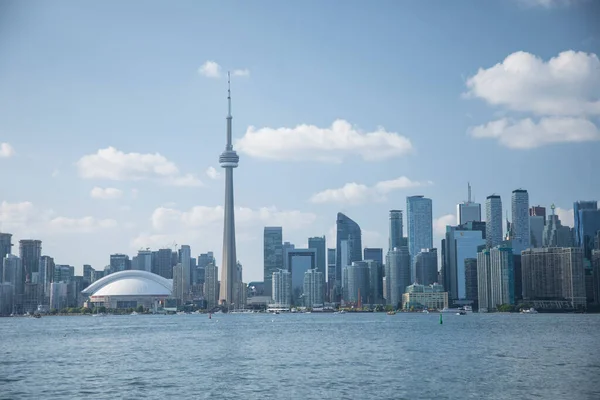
<point x="461" y="242"/>
<point x="426" y="269"/>
<point x="272" y="255"/>
<point x="587" y="227"/>
<point x="578" y="206"/>
<point x="318" y="243"/>
<point x="313" y="288"/>
<point x="5" y="245"/>
<point x="228" y="160"/>
<point x="30" y="252"/>
<point x="349" y="231"/>
<point x="211" y="285"/>
<point x="282" y="288"/>
<point x="521" y="232"/>
<point x="495" y="275"/>
<point x="468" y="211"/>
<point x="555" y="234"/>
<point x="536" y="224"/>
<point x="330" y="273"/>
<point x="396" y="230"/>
<point x="185" y="253"/>
<point x="164" y="263"/>
<point x="397" y="274"/>
<point x="493" y="220"/>
<point x="538" y="211"/>
<point x="119" y="262"/>
<point x="420" y="226"/>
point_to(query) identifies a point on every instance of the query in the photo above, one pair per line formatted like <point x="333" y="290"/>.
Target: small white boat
<point x="530" y="311"/>
<point x="134" y="313"/>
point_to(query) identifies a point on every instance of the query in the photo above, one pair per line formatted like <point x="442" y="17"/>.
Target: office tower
<point x="537" y="211"/>
<point x="357" y="283"/>
<point x="471" y="280"/>
<point x="164" y="263"/>
<point x="375" y="282"/>
<point x="185" y="253"/>
<point x="47" y="273"/>
<point x="536" y="224"/>
<point x="372" y="253"/>
<point x="397" y="267"/>
<point x="7" y="299"/>
<point x="273" y="254"/>
<point x="87" y="272"/>
<point x="204" y="259"/>
<point x="59" y="295"/>
<point x="318" y="244"/>
<point x="554" y="273"/>
<point x="349" y="231"/>
<point x="396" y="238"/>
<point x="330" y="273"/>
<point x="587" y="227"/>
<point x="468" y="211"/>
<point x="596" y="275"/>
<point x="313" y="288"/>
<point x="30" y="252"/>
<point x="5" y="245"/>
<point x="119" y="262"/>
<point x="297" y="262"/>
<point x="428" y="297"/>
<point x="177" y="291"/>
<point x="426" y="267"/>
<point x="13" y="272"/>
<point x="460" y="243"/>
<point x="521" y="232"/>
<point x="420" y="226"/>
<point x="555" y="234"/>
<point x="577" y="207"/>
<point x="282" y="288"/>
<point x="211" y="286"/>
<point x="229" y="160"/>
<point x="495" y="275"/>
<point x="144" y="261"/>
<point x="493" y="220"/>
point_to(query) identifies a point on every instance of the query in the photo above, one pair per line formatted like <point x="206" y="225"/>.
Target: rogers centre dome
<point x="130" y="288"/>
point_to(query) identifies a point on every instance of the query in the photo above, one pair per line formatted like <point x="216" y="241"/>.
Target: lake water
<point x="302" y="356"/>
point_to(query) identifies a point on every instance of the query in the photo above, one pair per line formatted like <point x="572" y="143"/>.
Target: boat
<point x="530" y="311"/>
<point x="462" y="312"/>
<point x="458" y="311"/>
<point x="391" y="313"/>
<point x="425" y="311"/>
<point x="134" y="313"/>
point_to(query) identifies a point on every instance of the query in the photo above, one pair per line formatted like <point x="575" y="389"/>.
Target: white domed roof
<point x="130" y="283"/>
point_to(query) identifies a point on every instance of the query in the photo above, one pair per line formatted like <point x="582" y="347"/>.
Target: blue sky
<point x="109" y="123"/>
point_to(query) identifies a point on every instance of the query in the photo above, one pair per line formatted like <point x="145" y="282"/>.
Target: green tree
<point x="140" y="309"/>
<point x="86" y="310"/>
<point x="101" y="309"/>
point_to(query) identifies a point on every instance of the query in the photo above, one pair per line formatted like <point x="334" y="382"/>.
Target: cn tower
<point x="228" y="160"/>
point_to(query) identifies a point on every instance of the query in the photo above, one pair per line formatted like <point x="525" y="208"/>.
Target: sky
<point x="112" y="117"/>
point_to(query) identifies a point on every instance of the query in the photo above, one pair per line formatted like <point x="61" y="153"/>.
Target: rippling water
<point x="310" y="356"/>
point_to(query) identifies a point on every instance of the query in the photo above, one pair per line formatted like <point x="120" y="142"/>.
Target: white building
<point x="495" y="278"/>
<point x="282" y="288"/>
<point x="313" y="288"/>
<point x="211" y="286"/>
<point x="59" y="297"/>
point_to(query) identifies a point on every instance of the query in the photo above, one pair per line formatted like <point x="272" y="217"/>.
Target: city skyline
<point x="65" y="136"/>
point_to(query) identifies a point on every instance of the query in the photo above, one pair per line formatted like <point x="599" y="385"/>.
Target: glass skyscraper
<point x="396" y="230"/>
<point x="493" y="219"/>
<point x="521" y="232"/>
<point x="349" y="231"/>
<point x="587" y="224"/>
<point x="420" y="225"/>
<point x="273" y="255"/>
<point x="318" y="243"/>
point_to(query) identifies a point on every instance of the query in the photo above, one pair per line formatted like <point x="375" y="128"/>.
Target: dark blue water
<point x="310" y="356"/>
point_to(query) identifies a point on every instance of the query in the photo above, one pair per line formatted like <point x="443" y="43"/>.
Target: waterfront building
<point x="119" y="262"/>
<point x="211" y="286"/>
<point x="313" y="288"/>
<point x="471" y="281"/>
<point x="178" y="292"/>
<point x="461" y="242"/>
<point x="204" y="260"/>
<point x="7" y="305"/>
<point x="495" y="275"/>
<point x="520" y="229"/>
<point x="587" y="227"/>
<point x="346" y="230"/>
<point x="185" y="254"/>
<point x="331" y="253"/>
<point x="376" y="282"/>
<point x="46" y="275"/>
<point x="356" y="283"/>
<point x="297" y="262"/>
<point x="493" y="220"/>
<point x="420" y="226"/>
<point x="426" y="267"/>
<point x="319" y="245"/>
<point x="554" y="273"/>
<point x="59" y="295"/>
<point x="397" y="272"/>
<point x="272" y="254"/>
<point x="144" y="261"/>
<point x="396" y="238"/>
<point x="129" y="289"/>
<point x="164" y="263"/>
<point x="536" y="225"/>
<point x="596" y="275"/>
<point x="555" y="234"/>
<point x="468" y="211"/>
<point x="30" y="252"/>
<point x="577" y="207"/>
<point x="428" y="297"/>
<point x="282" y="288"/>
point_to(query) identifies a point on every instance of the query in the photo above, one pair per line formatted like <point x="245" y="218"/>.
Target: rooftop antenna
<point x="469" y="186"/>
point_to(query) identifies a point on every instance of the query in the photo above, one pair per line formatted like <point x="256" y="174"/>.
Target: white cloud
<point x="568" y="84"/>
<point x="105" y="193"/>
<point x="113" y="164"/>
<point x="14" y="215"/>
<point x="6" y="150"/>
<point x="212" y="173"/>
<point x="210" y="69"/>
<point x="566" y="216"/>
<point x="439" y="224"/>
<point x="241" y="72"/>
<point x="309" y="142"/>
<point x="355" y="193"/>
<point x="527" y="134"/>
<point x="55" y="173"/>
<point x="84" y="225"/>
<point x="549" y="3"/>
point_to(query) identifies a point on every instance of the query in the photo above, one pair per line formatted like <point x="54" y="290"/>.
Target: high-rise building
<point x="211" y="286"/>
<point x="471" y="280"/>
<point x="319" y="245"/>
<point x="555" y="234"/>
<point x="272" y="255"/>
<point x="177" y="291"/>
<point x="577" y="207"/>
<point x="185" y="253"/>
<point x="349" y="231"/>
<point x="204" y="259"/>
<point x="461" y="242"/>
<point x="119" y="262"/>
<point x="59" y="295"/>
<point x="554" y="273"/>
<point x="30" y="252"/>
<point x="297" y="262"/>
<point x="5" y="244"/>
<point x="420" y="297"/>
<point x="587" y="228"/>
<point x="282" y="288"/>
<point x="396" y="238"/>
<point x="47" y="273"/>
<point x="164" y="261"/>
<point x="397" y="273"/>
<point x="536" y="225"/>
<point x="521" y="232"/>
<point x="144" y="260"/>
<point x="468" y="211"/>
<point x="596" y="275"/>
<point x="426" y="267"/>
<point x="13" y="273"/>
<point x="313" y="288"/>
<point x="420" y="226"/>
<point x="228" y="160"/>
<point x="495" y="275"/>
<point x="537" y="211"/>
<point x="356" y="287"/>
<point x="493" y="220"/>
<point x="375" y="282"/>
<point x="330" y="272"/>
<point x="371" y="253"/>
